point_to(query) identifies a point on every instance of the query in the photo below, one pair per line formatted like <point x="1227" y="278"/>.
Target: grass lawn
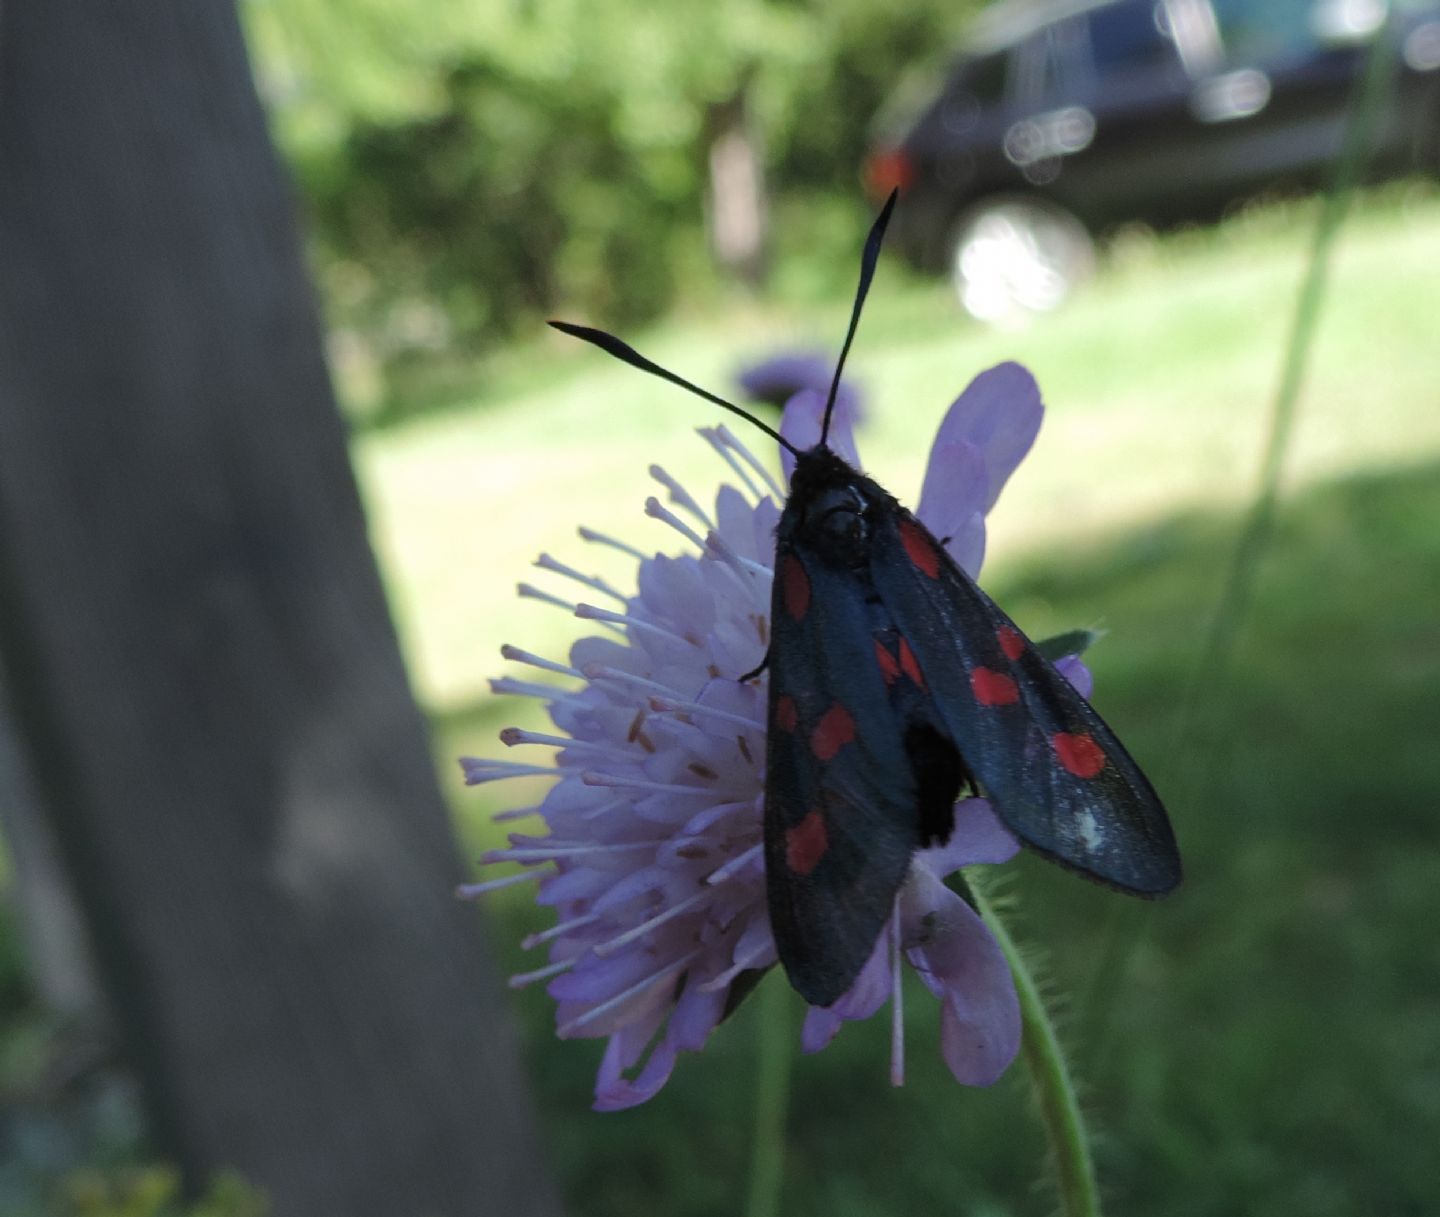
<point x="1266" y="1041"/>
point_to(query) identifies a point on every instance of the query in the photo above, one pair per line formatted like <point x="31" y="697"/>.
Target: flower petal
<point x="999" y="412"/>
<point x="777" y="379"/>
<point x="615" y="1092"/>
<point x="963" y="965"/>
<point x="805" y="415"/>
<point x="953" y="501"/>
<point x="979" y="836"/>
<point x="1073" y="669"/>
<point x="820" y="1027"/>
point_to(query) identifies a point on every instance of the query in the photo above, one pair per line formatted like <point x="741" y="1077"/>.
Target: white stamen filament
<point x="600" y="538"/>
<point x="746" y="568"/>
<point x="622" y="997"/>
<point x="468" y="891"/>
<point x="521" y="979"/>
<point x="680" y="496"/>
<point x="738" y="862"/>
<point x="546" y="562"/>
<point x="516" y="735"/>
<point x="478" y="769"/>
<point x="712" y="437"/>
<point x="745" y="962"/>
<point x="509" y="686"/>
<point x="897" y="1004"/>
<point x="750" y="459"/>
<point x="669" y="705"/>
<point x="611" y="945"/>
<point x="595" y="672"/>
<point x="515" y="813"/>
<point x="604" y="809"/>
<point x="589" y="612"/>
<point x="591" y="778"/>
<point x="530" y="854"/>
<point x="516" y="655"/>
<point x="558" y="930"/>
<point x="657" y="510"/>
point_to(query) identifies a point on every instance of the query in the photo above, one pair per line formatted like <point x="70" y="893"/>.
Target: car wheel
<point x="1012" y="256"/>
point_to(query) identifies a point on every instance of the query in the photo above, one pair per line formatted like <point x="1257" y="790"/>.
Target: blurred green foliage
<point x="153" y="1192"/>
<point x="469" y="167"/>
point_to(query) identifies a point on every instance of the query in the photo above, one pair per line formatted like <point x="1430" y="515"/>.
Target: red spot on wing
<point x="889" y="666"/>
<point x="1079" y="753"/>
<point x="992" y="688"/>
<point x="834" y="730"/>
<point x="795" y="587"/>
<point x="920" y="549"/>
<point x="908" y="664"/>
<point x="806" y="843"/>
<point x="786" y="715"/>
<point x="1012" y="641"/>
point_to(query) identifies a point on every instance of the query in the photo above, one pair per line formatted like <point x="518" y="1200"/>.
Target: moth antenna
<point x="624" y="352"/>
<point x="868" y="259"/>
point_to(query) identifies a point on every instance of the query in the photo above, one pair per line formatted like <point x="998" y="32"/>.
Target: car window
<point x="1129" y="37"/>
<point x="1050" y="64"/>
<point x="984" y="78"/>
<point x="1273" y="32"/>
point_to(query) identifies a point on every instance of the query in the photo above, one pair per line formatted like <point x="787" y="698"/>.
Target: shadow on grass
<point x="1270" y="1043"/>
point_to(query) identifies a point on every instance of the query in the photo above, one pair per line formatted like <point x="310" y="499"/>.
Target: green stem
<point x="1235" y="595"/>
<point x="772" y="1097"/>
<point x="1050" y="1075"/>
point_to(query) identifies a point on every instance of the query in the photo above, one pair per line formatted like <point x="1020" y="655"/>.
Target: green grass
<point x="1265" y="1041"/>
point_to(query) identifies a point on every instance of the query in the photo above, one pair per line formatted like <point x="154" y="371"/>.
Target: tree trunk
<point x="736" y="209"/>
<point x="203" y="674"/>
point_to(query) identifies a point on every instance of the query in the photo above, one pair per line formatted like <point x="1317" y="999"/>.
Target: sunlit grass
<point x="1157" y="378"/>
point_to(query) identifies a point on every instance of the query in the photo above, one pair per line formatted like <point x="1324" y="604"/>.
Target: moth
<point x="897" y="685"/>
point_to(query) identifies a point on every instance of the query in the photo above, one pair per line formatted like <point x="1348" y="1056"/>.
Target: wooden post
<point x="200" y="661"/>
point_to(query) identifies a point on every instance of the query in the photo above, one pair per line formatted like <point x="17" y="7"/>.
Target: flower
<point x="652" y="856"/>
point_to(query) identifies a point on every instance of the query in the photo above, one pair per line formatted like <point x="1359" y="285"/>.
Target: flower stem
<point x="1050" y="1075"/>
<point x="772" y="1098"/>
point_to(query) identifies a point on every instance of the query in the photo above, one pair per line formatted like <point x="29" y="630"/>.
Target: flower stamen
<point x="590" y="612"/>
<point x="657" y="510"/>
<point x="611" y="945"/>
<point x="546" y="562"/>
<point x="680" y="496"/>
<point x="600" y="538"/>
<point x="676" y="965"/>
<point x="480" y="769"/>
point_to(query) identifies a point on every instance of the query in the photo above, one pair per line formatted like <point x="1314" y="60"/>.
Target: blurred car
<point x="1062" y="120"/>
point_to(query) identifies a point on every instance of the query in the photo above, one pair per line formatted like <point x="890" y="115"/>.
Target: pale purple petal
<point x="979" y="837"/>
<point x="614" y="1092"/>
<point x="999" y="413"/>
<point x="820" y="1027"/>
<point x="953" y="501"/>
<point x="802" y="421"/>
<point x="871" y="989"/>
<point x="980" y="1019"/>
<point x="696" y="1014"/>
<point x="1073" y="669"/>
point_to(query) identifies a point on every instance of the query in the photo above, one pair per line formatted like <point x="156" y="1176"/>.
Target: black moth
<point x="896" y="684"/>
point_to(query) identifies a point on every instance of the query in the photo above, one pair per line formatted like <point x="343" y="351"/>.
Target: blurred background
<point x="1124" y="196"/>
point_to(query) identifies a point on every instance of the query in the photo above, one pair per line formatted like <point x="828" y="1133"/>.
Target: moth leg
<point x="751" y="675"/>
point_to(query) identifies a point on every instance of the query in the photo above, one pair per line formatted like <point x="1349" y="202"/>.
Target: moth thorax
<point x="838" y="527"/>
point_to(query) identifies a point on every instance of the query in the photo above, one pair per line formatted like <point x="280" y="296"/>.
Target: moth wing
<point x="840" y="796"/>
<point x="1055" y="772"/>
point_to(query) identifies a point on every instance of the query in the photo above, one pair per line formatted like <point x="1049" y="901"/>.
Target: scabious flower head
<point x="652" y="846"/>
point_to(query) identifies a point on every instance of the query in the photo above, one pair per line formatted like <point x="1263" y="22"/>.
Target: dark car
<point x="1060" y="121"/>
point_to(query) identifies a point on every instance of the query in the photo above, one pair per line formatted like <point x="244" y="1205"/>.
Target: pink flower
<point x="651" y="853"/>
